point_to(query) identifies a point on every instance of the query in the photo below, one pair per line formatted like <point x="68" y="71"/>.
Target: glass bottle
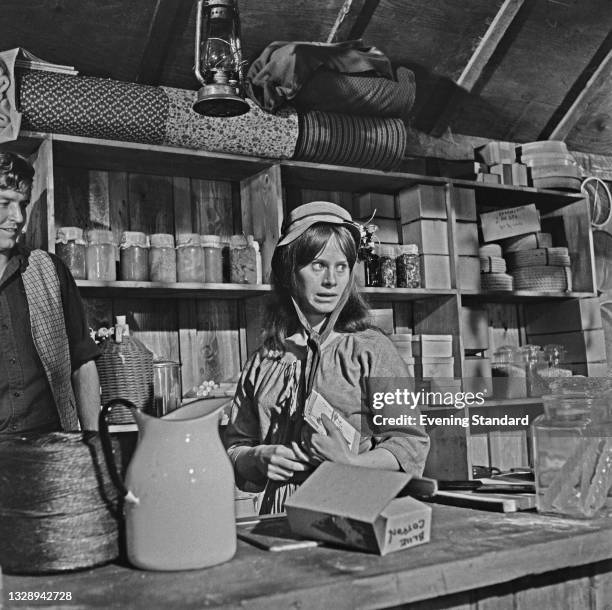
<point x="533" y="357"/>
<point x="134" y="256"/>
<point x="213" y="259"/>
<point x="572" y="449"/>
<point x="72" y="249"/>
<point x="101" y="255"/>
<point x="369" y="257"/>
<point x="189" y="258"/>
<point x="162" y="258"/>
<point x="408" y="266"/>
<point x="508" y="373"/>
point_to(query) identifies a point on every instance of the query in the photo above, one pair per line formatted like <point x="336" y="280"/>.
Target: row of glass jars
<point x="196" y="258"/>
<point x="390" y="266"/>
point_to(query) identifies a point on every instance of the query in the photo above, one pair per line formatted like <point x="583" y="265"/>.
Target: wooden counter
<point x="475" y="560"/>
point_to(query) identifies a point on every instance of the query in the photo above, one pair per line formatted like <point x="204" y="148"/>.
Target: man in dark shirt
<point x="48" y="377"/>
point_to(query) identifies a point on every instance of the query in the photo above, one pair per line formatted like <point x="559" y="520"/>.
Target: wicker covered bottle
<point x="125" y="367"/>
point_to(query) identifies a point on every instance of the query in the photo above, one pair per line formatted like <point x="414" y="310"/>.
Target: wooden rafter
<point x="168" y="16"/>
<point x="352" y="20"/>
<point x="480" y="58"/>
<point x="602" y="73"/>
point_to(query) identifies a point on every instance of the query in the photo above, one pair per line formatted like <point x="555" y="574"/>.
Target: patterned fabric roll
<point x="256" y="133"/>
<point x="342" y="139"/>
<point x="92" y="107"/>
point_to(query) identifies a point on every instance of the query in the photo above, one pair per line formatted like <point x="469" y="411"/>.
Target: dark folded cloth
<point x="358" y="141"/>
<point x="283" y="68"/>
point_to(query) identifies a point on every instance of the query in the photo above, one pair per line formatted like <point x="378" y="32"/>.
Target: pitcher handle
<point x="107" y="446"/>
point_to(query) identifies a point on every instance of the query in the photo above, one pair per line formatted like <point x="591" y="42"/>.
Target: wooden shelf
<point x="495" y="196"/>
<point x="404" y="294"/>
<point x="112" y="155"/>
<point x="172" y="291"/>
<point x="520" y="296"/>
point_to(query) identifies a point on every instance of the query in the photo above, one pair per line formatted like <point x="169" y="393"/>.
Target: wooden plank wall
<point x="203" y="334"/>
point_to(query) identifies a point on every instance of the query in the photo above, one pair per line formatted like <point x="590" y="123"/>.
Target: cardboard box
<point x="466" y="238"/>
<point x="510" y="222"/>
<point x="422" y="201"/>
<point x="496" y="152"/>
<point x="358" y="508"/>
<point x="435" y="271"/>
<point x="365" y="204"/>
<point x="436" y="368"/>
<point x="468" y="272"/>
<point x="464" y="203"/>
<point x="432" y="346"/>
<point x="431" y="236"/>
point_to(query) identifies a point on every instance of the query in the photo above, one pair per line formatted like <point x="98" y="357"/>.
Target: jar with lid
<point x="213" y="258"/>
<point x="408" y="266"/>
<point x="162" y="258"/>
<point x="101" y="255"/>
<point x="245" y="260"/>
<point x="189" y="258"/>
<point x="386" y="266"/>
<point x="572" y="449"/>
<point x="72" y="249"/>
<point x="134" y="256"/>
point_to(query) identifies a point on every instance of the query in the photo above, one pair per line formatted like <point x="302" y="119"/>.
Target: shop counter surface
<point x="475" y="560"/>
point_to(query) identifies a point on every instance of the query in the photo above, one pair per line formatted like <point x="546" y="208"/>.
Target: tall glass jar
<point x="101" y="255"/>
<point x="72" y="249"/>
<point x="189" y="258"/>
<point x="408" y="266"/>
<point x="245" y="260"/>
<point x="386" y="266"/>
<point x="370" y="258"/>
<point x="134" y="256"/>
<point x="162" y="258"/>
<point x="213" y="259"/>
<point x="572" y="449"/>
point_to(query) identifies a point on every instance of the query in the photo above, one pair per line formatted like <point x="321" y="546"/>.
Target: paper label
<point x="317" y="406"/>
<point x="510" y="222"/>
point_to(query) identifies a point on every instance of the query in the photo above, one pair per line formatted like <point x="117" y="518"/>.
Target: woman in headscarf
<point x="318" y="349"/>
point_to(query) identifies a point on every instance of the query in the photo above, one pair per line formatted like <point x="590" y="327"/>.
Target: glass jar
<point x="245" y="260"/>
<point x="213" y="259"/>
<point x="386" y="266"/>
<point x="572" y="449"/>
<point x="189" y="258"/>
<point x="533" y="357"/>
<point x="225" y="256"/>
<point x="508" y="373"/>
<point x="101" y="255"/>
<point x="162" y="258"/>
<point x="408" y="267"/>
<point x="134" y="256"/>
<point x="72" y="249"/>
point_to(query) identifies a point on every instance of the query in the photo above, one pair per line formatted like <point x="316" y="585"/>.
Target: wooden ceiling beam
<point x="579" y="97"/>
<point x="168" y="16"/>
<point x="479" y="60"/>
<point x="352" y="20"/>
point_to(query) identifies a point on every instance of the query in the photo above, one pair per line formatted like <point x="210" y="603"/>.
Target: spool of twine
<point x="59" y="509"/>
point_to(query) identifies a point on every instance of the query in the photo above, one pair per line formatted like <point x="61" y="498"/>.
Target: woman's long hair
<point x="281" y="319"/>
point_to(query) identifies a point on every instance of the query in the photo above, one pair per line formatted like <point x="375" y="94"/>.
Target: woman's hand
<point x="278" y="462"/>
<point x="329" y="447"/>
